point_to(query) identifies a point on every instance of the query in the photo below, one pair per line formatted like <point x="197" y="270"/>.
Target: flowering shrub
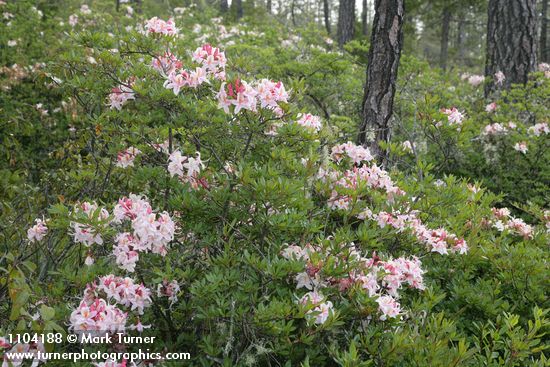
<point x="237" y="221"/>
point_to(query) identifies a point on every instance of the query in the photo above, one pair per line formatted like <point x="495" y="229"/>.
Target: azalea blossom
<point x="388" y="306"/>
<point x="454" y="116"/>
<point x="494" y="129"/>
<point x="475" y="80"/>
<point x="169" y="289"/>
<point x="491" y="107"/>
<point x="521" y="147"/>
<point x="38" y="231"/>
<point x="119" y="96"/>
<point x="167" y="63"/>
<point x="499" y="77"/>
<point x="539" y="129"/>
<point x="73" y="20"/>
<point x="159" y="26"/>
<point x="309" y="121"/>
<point x="357" y="153"/>
<point x="126" y="158"/>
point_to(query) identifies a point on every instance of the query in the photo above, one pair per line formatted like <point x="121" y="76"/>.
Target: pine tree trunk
<point x="460" y="40"/>
<point x="511" y="46"/>
<point x="544" y="50"/>
<point x="326" y="11"/>
<point x="364" y="18"/>
<point x="239" y="8"/>
<point x="268" y="6"/>
<point x="445" y="23"/>
<point x="223" y="6"/>
<point x="383" y="61"/>
<point x="346" y="21"/>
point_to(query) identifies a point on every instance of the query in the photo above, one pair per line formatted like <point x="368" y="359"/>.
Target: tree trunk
<point x="460" y="40"/>
<point x="445" y="23"/>
<point x="268" y="6"/>
<point x="326" y="11"/>
<point x="511" y="46"/>
<point x="239" y="8"/>
<point x="365" y="18"/>
<point x="223" y="6"/>
<point x="292" y="14"/>
<point x="544" y="50"/>
<point x="346" y="21"/>
<point x="383" y="61"/>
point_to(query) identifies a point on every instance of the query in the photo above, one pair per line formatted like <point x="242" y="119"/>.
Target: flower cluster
<point x="356" y="153"/>
<point x="521" y="147"/>
<point x="38" y="231"/>
<point x="491" y="107"/>
<point x="159" y="26"/>
<point x="119" y="96"/>
<point x="177" y="80"/>
<point x="169" y="289"/>
<point x="373" y="177"/>
<point x="123" y="291"/>
<point x="494" y="129"/>
<point x="212" y="60"/>
<point x="502" y="220"/>
<point x="166" y="64"/>
<point x="319" y="309"/>
<point x="186" y="168"/>
<point x="454" y="116"/>
<point x="126" y="158"/>
<point x="379" y="279"/>
<point x="150" y="231"/>
<point x="473" y="80"/>
<point x="309" y="121"/>
<point x="97" y="315"/>
<point x="436" y="240"/>
<point x="539" y="129"/>
<point x="243" y="95"/>
<point x="28" y="350"/>
<point x="84" y="233"/>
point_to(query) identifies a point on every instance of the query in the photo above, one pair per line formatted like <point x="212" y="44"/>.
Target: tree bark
<point x="383" y="61"/>
<point x="511" y="46"/>
<point x="223" y="6"/>
<point x="239" y="8"/>
<point x="346" y="21"/>
<point x="268" y="6"/>
<point x="544" y="50"/>
<point x="445" y="23"/>
<point x="460" y="40"/>
<point x="326" y="11"/>
<point x="365" y="18"/>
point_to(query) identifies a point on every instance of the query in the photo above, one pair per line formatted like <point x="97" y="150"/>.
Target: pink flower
<point x="166" y="64"/>
<point x="454" y="116"/>
<point x="176" y="81"/>
<point x="169" y="289"/>
<point x="357" y="153"/>
<point x="159" y="26"/>
<point x="539" y="129"/>
<point x="38" y="231"/>
<point x="84" y="233"/>
<point x="126" y="158"/>
<point x="494" y="129"/>
<point x="499" y="77"/>
<point x="73" y="20"/>
<point x="388" y="306"/>
<point x="309" y="121"/>
<point x="119" y="96"/>
<point x="491" y="107"/>
<point x="476" y="80"/>
<point x="521" y="147"/>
